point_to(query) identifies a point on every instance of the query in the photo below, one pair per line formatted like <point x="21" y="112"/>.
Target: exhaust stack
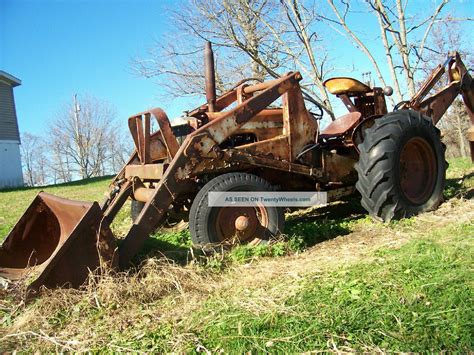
<point x="210" y="75"/>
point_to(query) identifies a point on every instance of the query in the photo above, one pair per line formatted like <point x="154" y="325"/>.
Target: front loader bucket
<point x="56" y="243"/>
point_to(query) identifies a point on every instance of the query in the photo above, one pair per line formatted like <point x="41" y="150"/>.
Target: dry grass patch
<point x="113" y="305"/>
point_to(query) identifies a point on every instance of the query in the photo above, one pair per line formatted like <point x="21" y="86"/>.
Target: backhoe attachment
<point x="460" y="81"/>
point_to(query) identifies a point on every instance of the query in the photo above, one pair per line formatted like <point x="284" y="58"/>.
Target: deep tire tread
<point x="379" y="155"/>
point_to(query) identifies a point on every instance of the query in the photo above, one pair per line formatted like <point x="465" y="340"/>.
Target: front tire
<point x="401" y="168"/>
<point x="231" y="225"/>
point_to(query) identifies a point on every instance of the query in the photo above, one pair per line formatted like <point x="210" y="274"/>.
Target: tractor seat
<point x="346" y="86"/>
<point x="341" y="125"/>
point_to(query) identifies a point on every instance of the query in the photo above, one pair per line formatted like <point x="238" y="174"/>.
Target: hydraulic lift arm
<point x="459" y="82"/>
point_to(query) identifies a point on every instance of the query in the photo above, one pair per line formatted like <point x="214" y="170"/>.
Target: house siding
<point x="8" y="120"/>
<point x="11" y="174"/>
<point x="10" y="165"/>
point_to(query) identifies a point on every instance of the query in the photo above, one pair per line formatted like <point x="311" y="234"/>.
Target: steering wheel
<point x="314" y="109"/>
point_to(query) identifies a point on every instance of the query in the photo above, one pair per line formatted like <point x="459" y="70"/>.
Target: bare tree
<point x="297" y="42"/>
<point x="119" y="149"/>
<point x="80" y="138"/>
<point x="34" y="152"/>
<point x="405" y="37"/>
<point x="454" y="126"/>
<point x="230" y="25"/>
<point x="42" y="165"/>
<point x="256" y="38"/>
<point x="30" y="151"/>
<point x="447" y="35"/>
<point x="265" y="38"/>
<point x="58" y="162"/>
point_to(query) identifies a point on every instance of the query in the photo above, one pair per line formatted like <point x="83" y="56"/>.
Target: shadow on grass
<point x="64" y="184"/>
<point x="307" y="228"/>
<point x="173" y="246"/>
<point x="321" y="224"/>
<point x="460" y="186"/>
<point x="325" y="223"/>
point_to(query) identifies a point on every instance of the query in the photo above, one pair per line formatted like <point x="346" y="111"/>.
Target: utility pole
<point x="78" y="137"/>
<point x="76" y="110"/>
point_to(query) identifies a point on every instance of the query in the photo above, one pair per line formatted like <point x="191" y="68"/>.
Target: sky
<point x="59" y="48"/>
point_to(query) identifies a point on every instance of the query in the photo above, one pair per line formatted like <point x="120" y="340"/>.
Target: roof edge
<point x="10" y="79"/>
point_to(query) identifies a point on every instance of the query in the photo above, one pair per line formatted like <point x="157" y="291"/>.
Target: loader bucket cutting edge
<point x="57" y="242"/>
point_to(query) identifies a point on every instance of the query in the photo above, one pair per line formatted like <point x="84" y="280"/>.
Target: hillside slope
<point x="339" y="282"/>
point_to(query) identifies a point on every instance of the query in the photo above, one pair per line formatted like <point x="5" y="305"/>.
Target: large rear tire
<point x="401" y="167"/>
<point x="231" y="225"/>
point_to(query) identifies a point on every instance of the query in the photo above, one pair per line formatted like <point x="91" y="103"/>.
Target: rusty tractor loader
<point x="243" y="141"/>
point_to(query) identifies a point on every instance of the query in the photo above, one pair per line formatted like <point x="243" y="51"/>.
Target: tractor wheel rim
<point x="417" y="170"/>
<point x="241" y="224"/>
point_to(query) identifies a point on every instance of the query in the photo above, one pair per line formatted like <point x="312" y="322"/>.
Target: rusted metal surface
<point x="141" y="191"/>
<point x="140" y="131"/>
<point x="348" y="103"/>
<point x="117" y="199"/>
<point x="417" y="170"/>
<point x="380" y="106"/>
<point x="370" y="103"/>
<point x="200" y="144"/>
<point x="203" y="151"/>
<point x="467" y="92"/>
<point x="264" y="125"/>
<point x="435" y="106"/>
<point x="210" y="77"/>
<point x="460" y="82"/>
<point x="338" y="168"/>
<point x="263" y="137"/>
<point x="169" y="138"/>
<point x="200" y="150"/>
<point x="427" y="85"/>
<point x="338" y="193"/>
<point x="270" y="163"/>
<point x="57" y="243"/>
<point x="342" y="125"/>
<point x="236" y="225"/>
<point x="241" y="94"/>
<point x="140" y="128"/>
<point x="275" y="148"/>
<point x="299" y="125"/>
<point x="145" y="172"/>
<point x="143" y="194"/>
<point x="250" y="89"/>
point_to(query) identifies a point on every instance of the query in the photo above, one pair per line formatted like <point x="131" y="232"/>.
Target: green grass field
<point x="337" y="281"/>
<point x="14" y="202"/>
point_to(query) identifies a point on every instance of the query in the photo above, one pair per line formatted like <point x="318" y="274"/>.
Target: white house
<point x="10" y="159"/>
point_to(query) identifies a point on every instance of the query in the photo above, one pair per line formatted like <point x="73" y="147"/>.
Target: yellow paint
<point x="338" y="86"/>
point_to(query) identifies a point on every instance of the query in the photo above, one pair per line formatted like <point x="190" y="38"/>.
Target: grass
<point x="337" y="281"/>
<point x="415" y="298"/>
<point x="13" y="202"/>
